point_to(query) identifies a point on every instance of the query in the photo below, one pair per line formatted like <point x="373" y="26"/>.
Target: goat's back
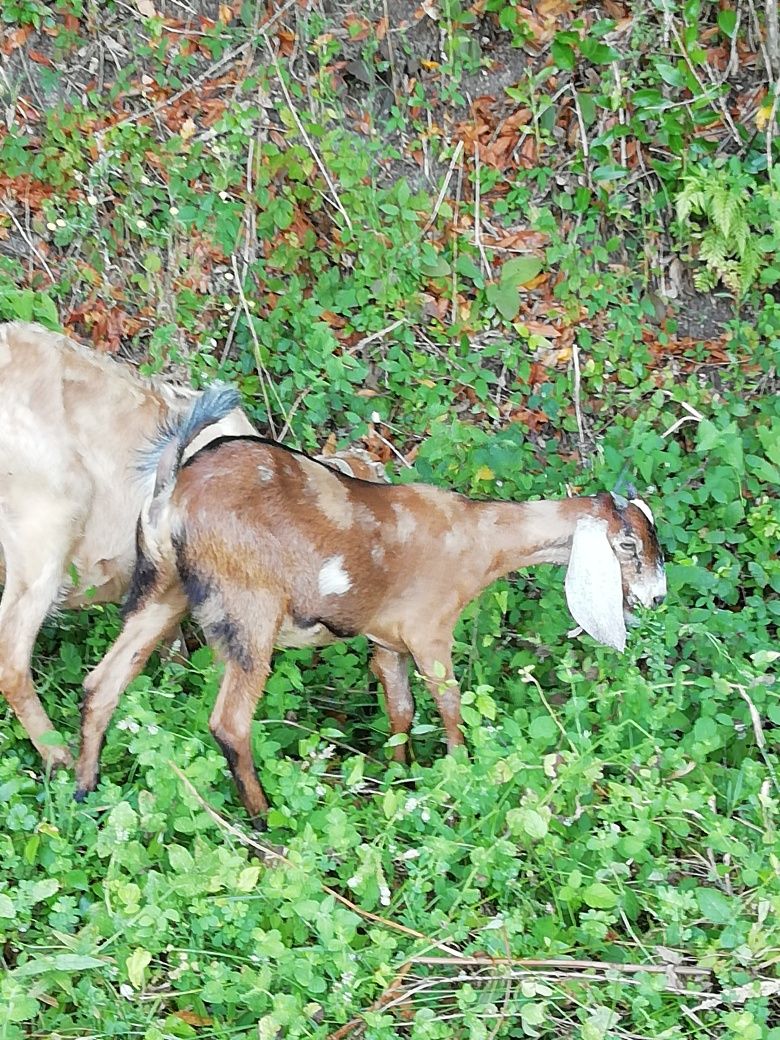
<point x="72" y="424"/>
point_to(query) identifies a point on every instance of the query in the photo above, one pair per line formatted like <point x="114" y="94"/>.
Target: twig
<point x="309" y="144"/>
<point x="248" y="224"/>
<point x="391" y="56"/>
<point x="256" y="343"/>
<point x="561" y="964"/>
<point x="270" y="853"/>
<point x="382" y="1001"/>
<point x="391" y="446"/>
<point x="575" y="359"/>
<point x="583" y="132"/>
<point x="477" y="215"/>
<point x="455" y="240"/>
<point x="443" y="192"/>
<point x="361" y="343"/>
<point x="758" y="731"/>
<point x="770" y="126"/>
<point x="759" y="37"/>
<point x="503" y="1014"/>
<point x="733" y="63"/>
<point x="692" y="416"/>
<point x="293" y="409"/>
<point x="226" y="59"/>
<point x="773" y="37"/>
<point x="29" y="241"/>
<point x="692" y="69"/>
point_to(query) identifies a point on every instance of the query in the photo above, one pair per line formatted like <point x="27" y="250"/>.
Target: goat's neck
<point x="520" y="534"/>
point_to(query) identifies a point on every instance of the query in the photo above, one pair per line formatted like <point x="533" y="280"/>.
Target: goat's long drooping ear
<point x="640" y="504"/>
<point x="594" y="589"/>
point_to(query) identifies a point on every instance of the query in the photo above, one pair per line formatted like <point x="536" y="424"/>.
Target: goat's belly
<point x="102" y="582"/>
<point x="300" y="634"/>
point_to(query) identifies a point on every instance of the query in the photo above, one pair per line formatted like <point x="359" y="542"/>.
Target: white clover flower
<point x="353" y="882"/>
<point x="425" y="816"/>
<point x="410" y="805"/>
<point x="51" y="226"/>
<point x="152" y="729"/>
<point x="92" y="200"/>
<point x="126" y="991"/>
<point x="145" y="180"/>
<point x="376" y="417"/>
<point x="384" y="895"/>
<point x="174" y="211"/>
<point x="410" y="854"/>
<point x="61" y="222"/>
<point x="128" y="724"/>
<point x="141" y="223"/>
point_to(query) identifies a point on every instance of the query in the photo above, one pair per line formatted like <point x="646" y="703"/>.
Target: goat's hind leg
<point x="247" y="659"/>
<point x="392" y="671"/>
<point x="143" y="629"/>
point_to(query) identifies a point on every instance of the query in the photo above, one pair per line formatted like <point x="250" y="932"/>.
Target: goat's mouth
<point x="630" y="603"/>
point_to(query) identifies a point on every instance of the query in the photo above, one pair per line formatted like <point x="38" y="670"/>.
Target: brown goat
<point x="72" y="426"/>
<point x="270" y="548"/>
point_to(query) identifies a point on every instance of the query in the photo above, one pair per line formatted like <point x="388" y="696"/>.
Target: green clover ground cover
<point x="615" y="822"/>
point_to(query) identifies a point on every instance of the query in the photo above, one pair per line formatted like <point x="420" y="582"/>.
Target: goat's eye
<point x="628" y="546"/>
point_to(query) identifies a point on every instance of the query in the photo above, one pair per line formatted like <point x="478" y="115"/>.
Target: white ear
<point x="640" y="504"/>
<point x="594" y="590"/>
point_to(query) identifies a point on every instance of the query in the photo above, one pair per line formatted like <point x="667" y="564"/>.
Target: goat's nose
<point x="658" y="600"/>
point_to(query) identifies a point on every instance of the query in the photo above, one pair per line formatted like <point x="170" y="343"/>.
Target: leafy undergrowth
<point x="469" y="237"/>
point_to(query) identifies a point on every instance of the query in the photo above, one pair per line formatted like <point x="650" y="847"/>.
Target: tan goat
<point x="72" y="426"/>
<point x="270" y="548"/>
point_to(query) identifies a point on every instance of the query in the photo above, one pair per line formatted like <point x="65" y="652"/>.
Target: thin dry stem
<point x="267" y="852"/>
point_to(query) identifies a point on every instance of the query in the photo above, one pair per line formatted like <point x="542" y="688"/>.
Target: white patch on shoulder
<point x="377" y="553"/>
<point x="333" y="580"/>
<point x="452" y="540"/>
<point x="645" y="509"/>
<point x="265" y="473"/>
<point x="405" y="523"/>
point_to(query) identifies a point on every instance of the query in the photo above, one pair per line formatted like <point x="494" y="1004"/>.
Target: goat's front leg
<point x="103" y="687"/>
<point x="434" y="663"/>
<point x="24" y="606"/>
<point x="392" y="670"/>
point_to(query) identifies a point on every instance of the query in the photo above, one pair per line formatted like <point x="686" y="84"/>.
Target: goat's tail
<point x="164" y="457"/>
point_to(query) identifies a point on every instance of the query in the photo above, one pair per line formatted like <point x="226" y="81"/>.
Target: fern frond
<point x="704" y="280"/>
<point x="727" y="209"/>
<point x="713" y="249"/>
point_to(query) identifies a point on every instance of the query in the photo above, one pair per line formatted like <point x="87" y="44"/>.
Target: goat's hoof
<point x="258" y="823"/>
<point x="55" y="758"/>
<point x="82" y="790"/>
